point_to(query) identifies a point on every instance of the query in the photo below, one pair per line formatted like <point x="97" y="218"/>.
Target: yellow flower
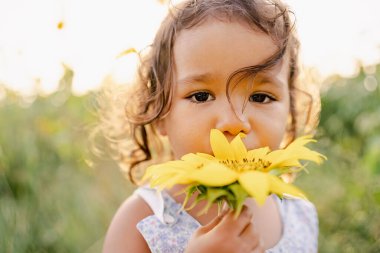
<point x="256" y="172"/>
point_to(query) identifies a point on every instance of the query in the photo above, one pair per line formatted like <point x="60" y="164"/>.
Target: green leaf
<point x="214" y="195"/>
<point x="200" y="197"/>
<point x="189" y="191"/>
<point x="239" y="196"/>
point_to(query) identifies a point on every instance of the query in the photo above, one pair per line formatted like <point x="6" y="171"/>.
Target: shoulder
<point x="122" y="234"/>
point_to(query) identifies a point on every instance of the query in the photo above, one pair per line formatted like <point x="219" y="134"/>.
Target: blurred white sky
<point x="335" y="35"/>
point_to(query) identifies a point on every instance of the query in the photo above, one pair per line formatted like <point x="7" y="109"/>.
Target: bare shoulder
<point x="122" y="234"/>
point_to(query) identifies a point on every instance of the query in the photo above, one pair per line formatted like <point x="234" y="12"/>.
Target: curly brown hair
<point x="131" y="131"/>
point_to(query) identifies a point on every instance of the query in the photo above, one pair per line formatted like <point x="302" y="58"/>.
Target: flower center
<point x="246" y="164"/>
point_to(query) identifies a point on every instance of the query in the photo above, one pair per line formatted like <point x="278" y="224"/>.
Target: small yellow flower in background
<point x="60" y="25"/>
<point x="233" y="172"/>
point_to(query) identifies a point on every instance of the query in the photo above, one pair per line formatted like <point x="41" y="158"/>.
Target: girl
<point x="229" y="65"/>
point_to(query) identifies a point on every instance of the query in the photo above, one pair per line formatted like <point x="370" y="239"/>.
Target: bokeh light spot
<point x="370" y="83"/>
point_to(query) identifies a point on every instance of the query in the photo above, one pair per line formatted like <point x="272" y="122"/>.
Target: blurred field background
<point x="55" y="196"/>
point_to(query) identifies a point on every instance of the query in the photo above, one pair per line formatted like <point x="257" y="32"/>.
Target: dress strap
<point x="156" y="202"/>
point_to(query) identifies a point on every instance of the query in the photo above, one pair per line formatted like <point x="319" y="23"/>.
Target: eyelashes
<point x="261" y="98"/>
<point x="205" y="96"/>
<point x="200" y="97"/>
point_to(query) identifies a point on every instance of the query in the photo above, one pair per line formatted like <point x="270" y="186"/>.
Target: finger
<point x="250" y="236"/>
<point x="236" y="225"/>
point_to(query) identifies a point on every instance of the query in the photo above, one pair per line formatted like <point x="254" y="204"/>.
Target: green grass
<point x="51" y="199"/>
<point x="346" y="188"/>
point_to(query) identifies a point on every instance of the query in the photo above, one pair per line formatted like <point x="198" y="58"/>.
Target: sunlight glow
<point x="336" y="36"/>
<point x="118" y="73"/>
<point x="39" y="37"/>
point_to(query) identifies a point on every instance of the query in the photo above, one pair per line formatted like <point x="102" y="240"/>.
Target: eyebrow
<point x="207" y="77"/>
<point x="197" y="78"/>
<point x="264" y="78"/>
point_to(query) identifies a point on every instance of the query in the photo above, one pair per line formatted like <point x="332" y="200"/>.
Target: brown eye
<point x="261" y="98"/>
<point x="200" y="97"/>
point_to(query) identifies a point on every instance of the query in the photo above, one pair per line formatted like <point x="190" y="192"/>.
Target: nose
<point x="231" y="122"/>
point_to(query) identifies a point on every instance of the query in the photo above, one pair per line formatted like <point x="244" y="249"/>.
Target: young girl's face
<point x="205" y="56"/>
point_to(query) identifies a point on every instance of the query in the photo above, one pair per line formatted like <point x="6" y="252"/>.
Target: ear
<point x="160" y="126"/>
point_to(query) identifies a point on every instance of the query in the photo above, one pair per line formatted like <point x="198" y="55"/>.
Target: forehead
<point x="219" y="48"/>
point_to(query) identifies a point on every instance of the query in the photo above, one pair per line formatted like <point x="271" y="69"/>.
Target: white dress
<point x="170" y="227"/>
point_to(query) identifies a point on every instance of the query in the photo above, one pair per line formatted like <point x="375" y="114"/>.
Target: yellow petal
<point x="283" y="164"/>
<point x="294" y="152"/>
<point x="157" y="173"/>
<point x="301" y="141"/>
<point x="214" y="174"/>
<point x="166" y="177"/>
<point x="220" y="145"/>
<point x="297" y="147"/>
<point x="256" y="184"/>
<point x="280" y="158"/>
<point x="207" y="157"/>
<point x="195" y="159"/>
<point x="239" y="149"/>
<point x="258" y="153"/>
<point x="279" y="187"/>
<point x="176" y="179"/>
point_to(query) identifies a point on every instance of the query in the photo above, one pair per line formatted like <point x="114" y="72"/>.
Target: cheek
<point x="280" y="119"/>
<point x="269" y="127"/>
<point x="275" y="134"/>
<point x="280" y="129"/>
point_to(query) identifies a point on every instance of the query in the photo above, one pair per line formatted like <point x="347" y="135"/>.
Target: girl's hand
<point x="225" y="234"/>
